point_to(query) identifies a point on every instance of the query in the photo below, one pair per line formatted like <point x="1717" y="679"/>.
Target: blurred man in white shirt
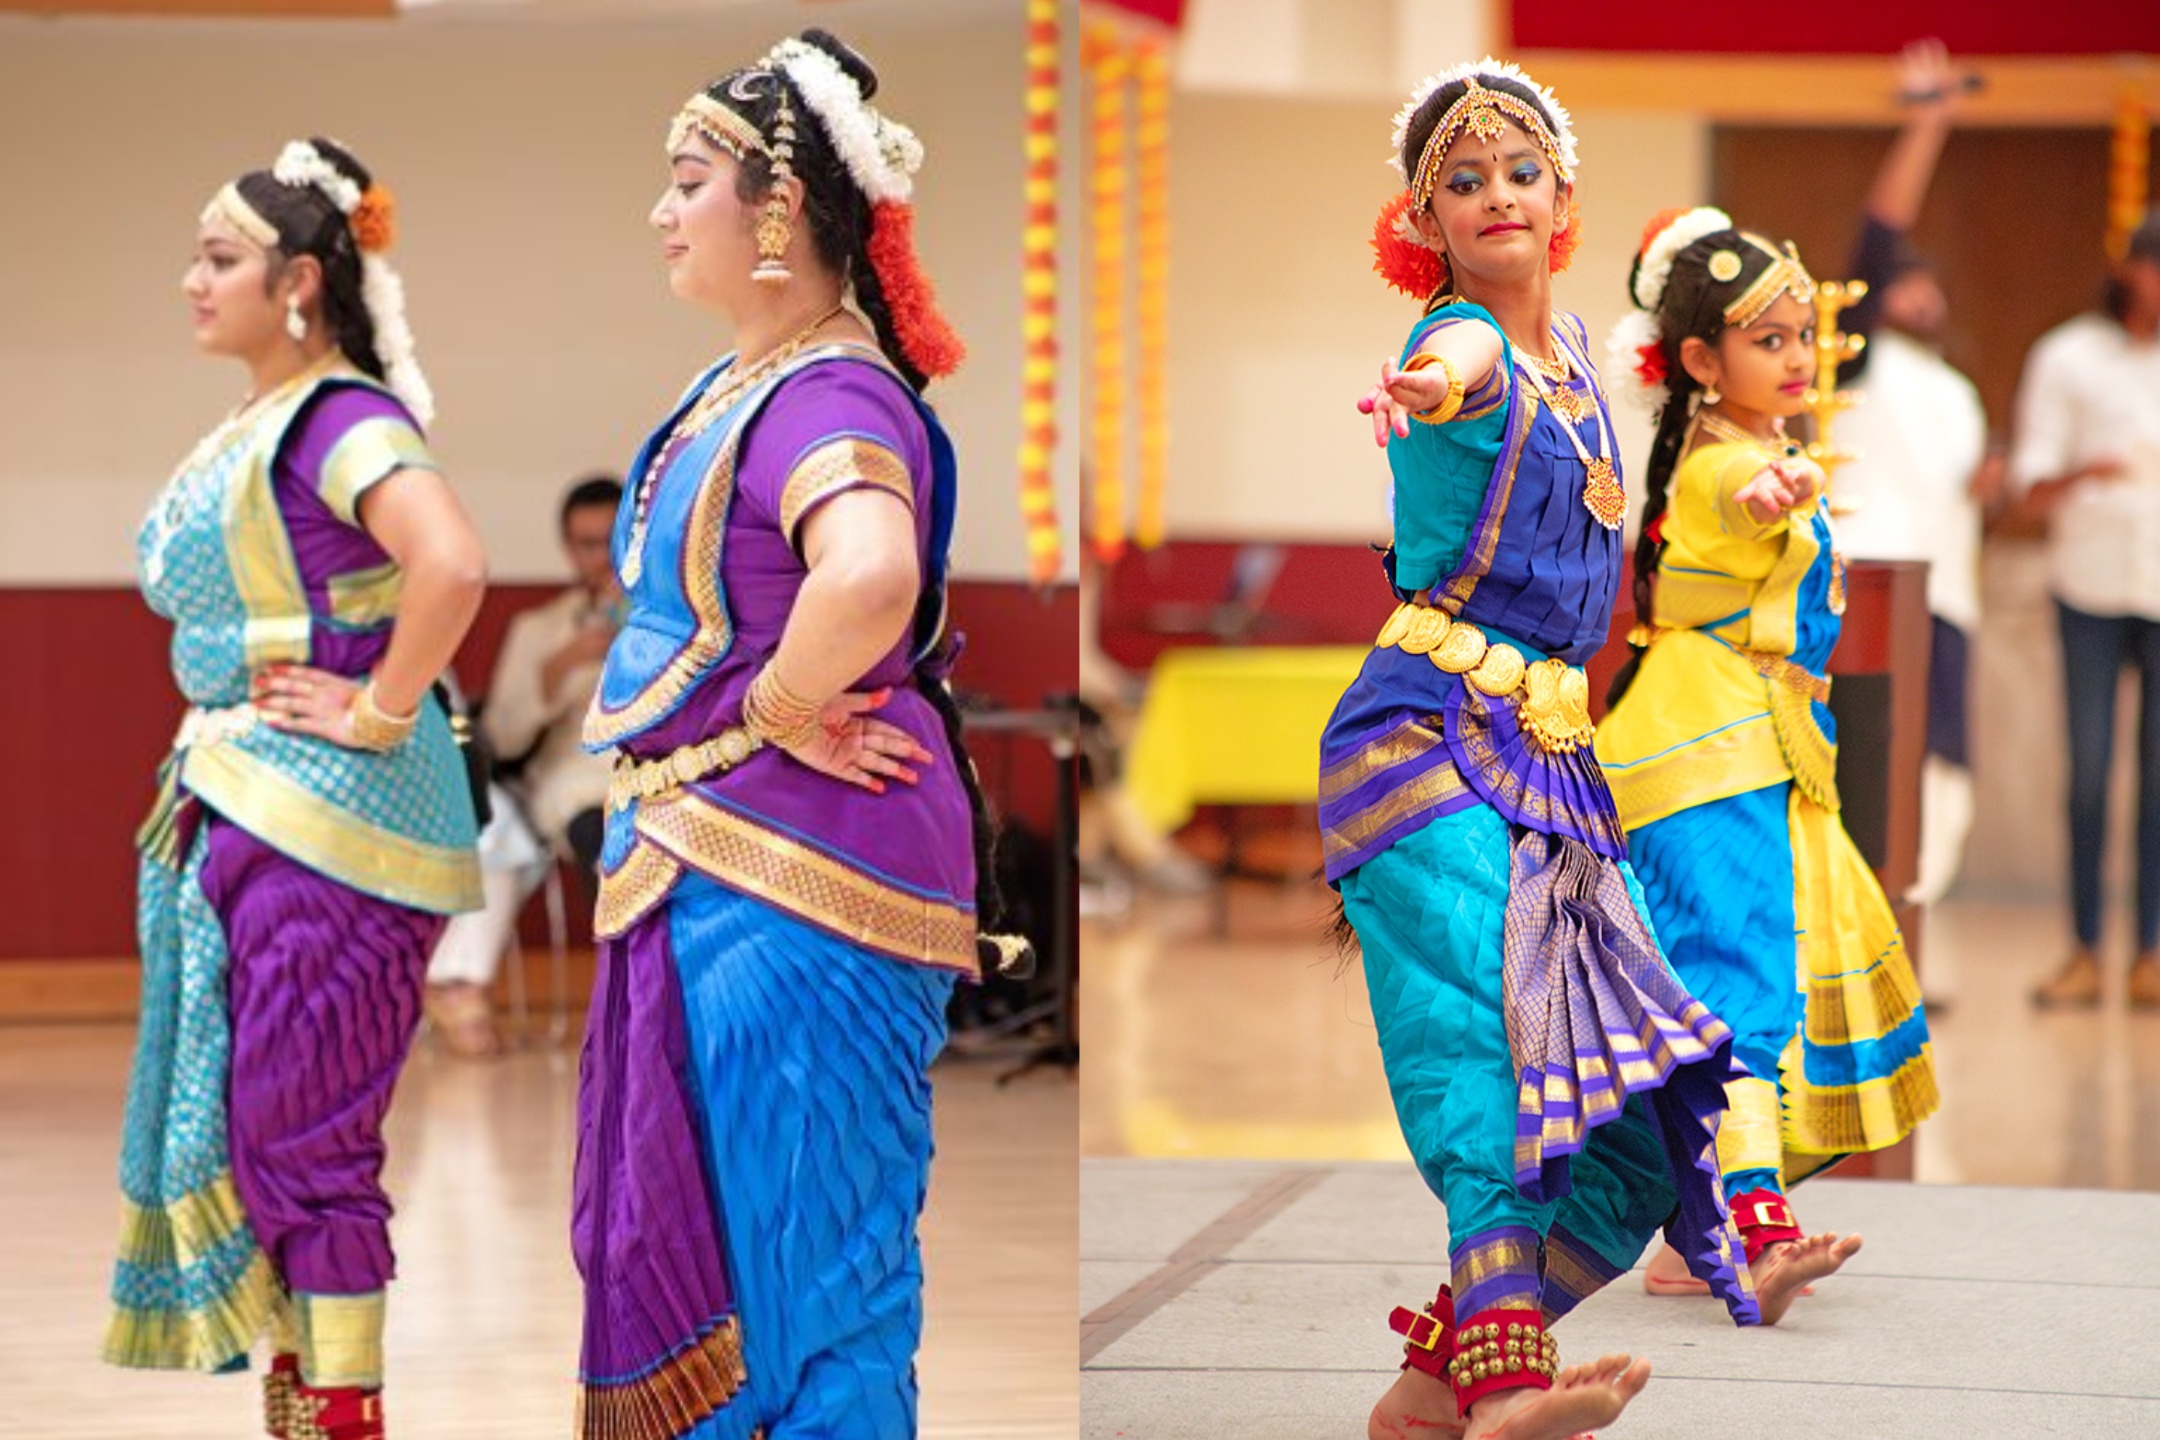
<point x="2087" y="456"/>
<point x="544" y="677"/>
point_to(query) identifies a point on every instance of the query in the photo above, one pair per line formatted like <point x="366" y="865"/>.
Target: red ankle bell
<point x="1501" y="1349"/>
<point x="278" y="1384"/>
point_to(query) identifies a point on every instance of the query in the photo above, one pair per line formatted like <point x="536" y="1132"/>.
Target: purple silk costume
<point x="812" y="923"/>
<point x="325" y="981"/>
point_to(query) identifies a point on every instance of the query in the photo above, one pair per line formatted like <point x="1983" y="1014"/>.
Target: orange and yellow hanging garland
<point x="1109" y="66"/>
<point x="1039" y="299"/>
<point x="1151" y="144"/>
<point x="2129" y="156"/>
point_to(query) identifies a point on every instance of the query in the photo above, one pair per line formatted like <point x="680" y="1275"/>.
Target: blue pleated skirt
<point x="809" y="1061"/>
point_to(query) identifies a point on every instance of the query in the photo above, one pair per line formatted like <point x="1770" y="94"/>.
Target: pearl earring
<point x="1710" y="395"/>
<point x="295" y="322"/>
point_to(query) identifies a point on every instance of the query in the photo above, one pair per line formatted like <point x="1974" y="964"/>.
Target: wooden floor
<point x="484" y="1318"/>
<point x="1258" y="1044"/>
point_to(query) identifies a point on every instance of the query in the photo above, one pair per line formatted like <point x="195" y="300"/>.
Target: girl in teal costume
<point x="1558" y="1087"/>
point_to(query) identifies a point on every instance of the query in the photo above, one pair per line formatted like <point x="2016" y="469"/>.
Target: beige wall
<point x="1279" y="323"/>
<point x="525" y="157"/>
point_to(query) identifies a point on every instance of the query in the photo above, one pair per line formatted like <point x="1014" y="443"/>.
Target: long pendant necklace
<point x="173" y="503"/>
<point x="1603" y="495"/>
<point x="731" y="387"/>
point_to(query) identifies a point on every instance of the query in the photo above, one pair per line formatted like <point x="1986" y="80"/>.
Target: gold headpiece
<point x="1485" y="113"/>
<point x="230" y="206"/>
<point x="1785" y="276"/>
<point x="721" y="128"/>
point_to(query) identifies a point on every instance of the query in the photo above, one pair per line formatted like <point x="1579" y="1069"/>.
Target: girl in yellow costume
<point x="1723" y="745"/>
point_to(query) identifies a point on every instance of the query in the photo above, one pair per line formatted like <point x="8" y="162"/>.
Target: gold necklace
<point x="1603" y="495"/>
<point x="729" y="387"/>
<point x="1735" y="433"/>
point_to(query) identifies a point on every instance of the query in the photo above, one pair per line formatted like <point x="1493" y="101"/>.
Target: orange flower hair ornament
<point x="374" y="220"/>
<point x="926" y="337"/>
<point x="372" y="214"/>
<point x="1636" y="348"/>
<point x="881" y="156"/>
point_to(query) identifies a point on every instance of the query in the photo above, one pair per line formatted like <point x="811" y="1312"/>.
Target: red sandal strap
<point x="1765" y="1219"/>
<point x="1429" y="1334"/>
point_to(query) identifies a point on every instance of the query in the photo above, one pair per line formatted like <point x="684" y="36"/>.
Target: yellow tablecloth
<point x="1235" y="727"/>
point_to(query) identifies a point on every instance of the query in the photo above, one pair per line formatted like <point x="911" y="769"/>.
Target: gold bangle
<point x="374" y="728"/>
<point x="776" y="714"/>
<point x="1451" y="402"/>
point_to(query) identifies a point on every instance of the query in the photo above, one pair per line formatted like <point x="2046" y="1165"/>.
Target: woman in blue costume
<point x="1723" y="745"/>
<point x="1558" y="1087"/>
<point x="790" y="884"/>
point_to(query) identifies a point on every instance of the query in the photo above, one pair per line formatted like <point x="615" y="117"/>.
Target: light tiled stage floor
<point x="483" y="1330"/>
<point x="1260" y="1045"/>
<point x="1249" y="1298"/>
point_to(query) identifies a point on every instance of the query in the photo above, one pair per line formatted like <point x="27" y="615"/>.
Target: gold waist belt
<point x="644" y="779"/>
<point x="1554" y="704"/>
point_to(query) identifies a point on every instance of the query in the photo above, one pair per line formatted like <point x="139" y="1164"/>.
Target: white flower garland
<point x="882" y="155"/>
<point x="301" y="164"/>
<point x="381" y="291"/>
<point x="1563" y="131"/>
<point x="1665" y="247"/>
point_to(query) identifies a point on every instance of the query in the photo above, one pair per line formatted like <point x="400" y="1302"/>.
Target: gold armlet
<point x="777" y="715"/>
<point x="374" y="728"/>
<point x="1451" y="402"/>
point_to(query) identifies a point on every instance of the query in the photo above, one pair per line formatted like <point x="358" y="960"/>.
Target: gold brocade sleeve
<point x="370" y="452"/>
<point x="833" y="469"/>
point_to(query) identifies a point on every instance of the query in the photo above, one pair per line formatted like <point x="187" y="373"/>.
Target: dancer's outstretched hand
<point x="1400" y="395"/>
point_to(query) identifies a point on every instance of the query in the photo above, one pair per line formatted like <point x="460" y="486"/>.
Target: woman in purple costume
<point x="789" y="879"/>
<point x="314" y="825"/>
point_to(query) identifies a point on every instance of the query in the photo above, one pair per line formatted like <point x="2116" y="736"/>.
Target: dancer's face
<point x="237" y="309"/>
<point x="707" y="234"/>
<point x="1494" y="207"/>
<point x="1764" y="367"/>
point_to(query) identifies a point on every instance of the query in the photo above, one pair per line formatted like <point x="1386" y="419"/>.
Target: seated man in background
<point x="543" y="680"/>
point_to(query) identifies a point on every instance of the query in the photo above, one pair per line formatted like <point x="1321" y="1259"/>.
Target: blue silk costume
<point x="1558" y="1087"/>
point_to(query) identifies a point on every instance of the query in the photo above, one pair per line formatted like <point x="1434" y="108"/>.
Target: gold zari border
<point x="265" y="801"/>
<point x="177" y="1234"/>
<point x="783" y="871"/>
<point x="674" y="1399"/>
<point x="633" y="888"/>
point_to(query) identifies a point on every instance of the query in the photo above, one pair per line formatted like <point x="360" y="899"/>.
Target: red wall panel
<point x="88" y="710"/>
<point x="1837" y="27"/>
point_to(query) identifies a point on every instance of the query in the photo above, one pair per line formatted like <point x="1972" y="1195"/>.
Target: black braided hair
<point x="1693" y="306"/>
<point x="838" y="213"/>
<point x="1427" y="119"/>
<point x="307" y="223"/>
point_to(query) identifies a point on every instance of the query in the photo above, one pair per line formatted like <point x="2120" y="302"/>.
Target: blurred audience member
<point x="544" y="678"/>
<point x="1920" y="473"/>
<point x="2087" y="460"/>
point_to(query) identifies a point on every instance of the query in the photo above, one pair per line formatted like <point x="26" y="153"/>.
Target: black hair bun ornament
<point x="846" y="56"/>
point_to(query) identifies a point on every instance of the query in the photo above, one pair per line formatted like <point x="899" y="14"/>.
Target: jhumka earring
<point x="774" y="229"/>
<point x="295" y="322"/>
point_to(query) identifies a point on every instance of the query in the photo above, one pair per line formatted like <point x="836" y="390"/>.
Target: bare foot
<point x="1583" y="1396"/>
<point x="1668" y="1275"/>
<point x="1416" y="1407"/>
<point x="1784" y="1271"/>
